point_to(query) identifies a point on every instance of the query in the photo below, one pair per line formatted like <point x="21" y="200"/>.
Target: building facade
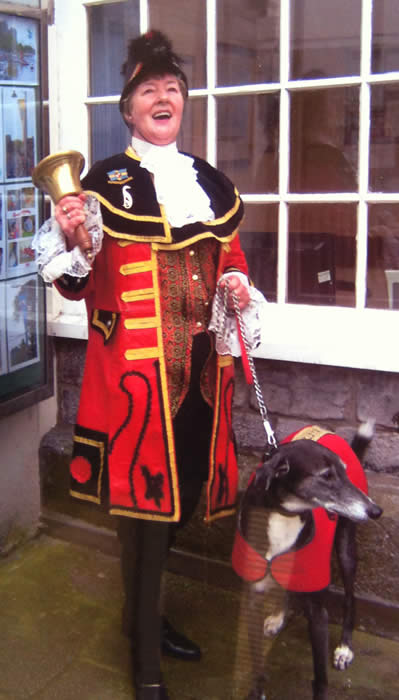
<point x="298" y="102"/>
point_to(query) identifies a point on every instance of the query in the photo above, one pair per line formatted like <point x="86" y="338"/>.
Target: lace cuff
<point x="53" y="259"/>
<point x="225" y="325"/>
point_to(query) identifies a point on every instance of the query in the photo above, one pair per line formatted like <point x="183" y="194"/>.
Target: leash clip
<point x="271" y="439"/>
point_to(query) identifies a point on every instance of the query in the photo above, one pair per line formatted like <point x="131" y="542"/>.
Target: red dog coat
<point x="307" y="568"/>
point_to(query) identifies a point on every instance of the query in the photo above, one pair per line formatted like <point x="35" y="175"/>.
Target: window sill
<point x="65" y="319"/>
<point x="335" y="336"/>
<point x="68" y="326"/>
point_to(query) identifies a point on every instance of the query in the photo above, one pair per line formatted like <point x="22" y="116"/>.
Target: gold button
<point x="199" y="324"/>
<point x="195" y="277"/>
<point x="192" y="252"/>
<point x="206" y="303"/>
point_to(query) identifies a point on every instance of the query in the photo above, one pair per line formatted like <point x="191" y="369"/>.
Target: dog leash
<point x="247" y="359"/>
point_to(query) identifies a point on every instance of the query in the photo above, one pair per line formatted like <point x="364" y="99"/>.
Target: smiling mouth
<point x="159" y="116"/>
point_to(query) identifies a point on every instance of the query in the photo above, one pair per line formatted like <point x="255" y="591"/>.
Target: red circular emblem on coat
<point x="81" y="469"/>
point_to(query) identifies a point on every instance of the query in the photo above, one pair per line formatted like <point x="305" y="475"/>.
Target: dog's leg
<point x="317" y="616"/>
<point x="265" y="613"/>
<point x="256" y="646"/>
<point x="345" y="544"/>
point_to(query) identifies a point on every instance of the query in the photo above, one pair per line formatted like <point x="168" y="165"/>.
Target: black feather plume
<point x="152" y="46"/>
<point x="148" y="55"/>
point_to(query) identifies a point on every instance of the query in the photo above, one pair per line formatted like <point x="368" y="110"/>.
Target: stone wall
<point x="338" y="398"/>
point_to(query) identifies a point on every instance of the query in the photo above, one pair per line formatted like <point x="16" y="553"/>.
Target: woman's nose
<point x="162" y="95"/>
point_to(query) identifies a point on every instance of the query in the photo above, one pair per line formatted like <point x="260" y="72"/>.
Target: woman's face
<point x="155" y="110"/>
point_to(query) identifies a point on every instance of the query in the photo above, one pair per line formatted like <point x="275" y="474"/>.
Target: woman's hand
<point x="241" y="290"/>
<point x="69" y="213"/>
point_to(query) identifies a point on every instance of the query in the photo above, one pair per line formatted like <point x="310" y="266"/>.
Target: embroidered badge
<point x="154" y="485"/>
<point x="127" y="197"/>
<point x="118" y="177"/>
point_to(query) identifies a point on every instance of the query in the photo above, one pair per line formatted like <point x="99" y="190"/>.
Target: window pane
<point x="185" y="24"/>
<point x="384" y="138"/>
<point x="192" y="136"/>
<point x="383" y="256"/>
<point x="248" y="141"/>
<point x="110" y="28"/>
<point x="247" y="42"/>
<point x="325" y="38"/>
<point x="324" y="140"/>
<point x="258" y="236"/>
<point x="109" y="134"/>
<point x="385" y="48"/>
<point x="322" y="254"/>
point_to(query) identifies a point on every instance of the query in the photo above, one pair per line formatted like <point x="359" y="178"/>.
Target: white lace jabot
<point x="175" y="182"/>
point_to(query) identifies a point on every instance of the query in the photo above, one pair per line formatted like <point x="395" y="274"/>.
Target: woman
<point x="154" y="420"/>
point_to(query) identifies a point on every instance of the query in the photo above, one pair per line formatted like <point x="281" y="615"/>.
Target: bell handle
<point x="83" y="240"/>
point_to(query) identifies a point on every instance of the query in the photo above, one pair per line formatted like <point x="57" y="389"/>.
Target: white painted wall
<point x="20" y="436"/>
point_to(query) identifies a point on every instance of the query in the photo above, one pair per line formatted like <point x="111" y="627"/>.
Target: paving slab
<point x="60" y="637"/>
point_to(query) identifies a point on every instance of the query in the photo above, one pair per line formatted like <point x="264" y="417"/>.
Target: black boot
<point x="177" y="645"/>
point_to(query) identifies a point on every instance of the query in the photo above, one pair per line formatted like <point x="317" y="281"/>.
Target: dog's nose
<point x="374" y="511"/>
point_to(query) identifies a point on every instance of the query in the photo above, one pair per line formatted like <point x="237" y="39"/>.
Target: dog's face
<point x="303" y="475"/>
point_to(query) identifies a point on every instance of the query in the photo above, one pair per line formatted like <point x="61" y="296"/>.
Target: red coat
<point x="123" y="445"/>
<point x="306" y="568"/>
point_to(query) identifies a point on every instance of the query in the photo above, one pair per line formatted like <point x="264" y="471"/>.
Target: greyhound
<point x="300" y="501"/>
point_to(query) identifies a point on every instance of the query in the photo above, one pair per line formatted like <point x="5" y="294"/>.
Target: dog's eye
<point x="327" y="474"/>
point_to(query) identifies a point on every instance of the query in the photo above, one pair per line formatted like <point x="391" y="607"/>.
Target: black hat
<point x="149" y="55"/>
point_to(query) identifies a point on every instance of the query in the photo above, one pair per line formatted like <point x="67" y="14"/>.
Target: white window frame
<point x="349" y="337"/>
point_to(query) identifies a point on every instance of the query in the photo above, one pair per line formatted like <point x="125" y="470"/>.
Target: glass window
<point x="310" y="155"/>
<point x="325" y="38"/>
<point x="322" y="254"/>
<point x="324" y="140"/>
<point x="186" y="27"/>
<point x="109" y="134"/>
<point x="26" y="3"/>
<point x="192" y="136"/>
<point x="247" y="42"/>
<point x="111" y="26"/>
<point x="259" y="242"/>
<point x="247" y="144"/>
<point x="384" y="138"/>
<point x="24" y="375"/>
<point x="383" y="256"/>
<point x="385" y="48"/>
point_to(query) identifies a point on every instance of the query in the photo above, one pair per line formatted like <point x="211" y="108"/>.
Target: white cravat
<point x="175" y="182"/>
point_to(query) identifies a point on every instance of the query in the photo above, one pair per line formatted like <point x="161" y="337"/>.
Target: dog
<point x="304" y="499"/>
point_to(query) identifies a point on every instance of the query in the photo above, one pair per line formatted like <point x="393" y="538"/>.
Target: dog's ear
<point x="274" y="467"/>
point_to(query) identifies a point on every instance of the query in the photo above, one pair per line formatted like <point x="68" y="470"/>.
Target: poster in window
<point x="3" y="346"/>
<point x="18" y="50"/>
<point x="19" y="132"/>
<point x="22" y="322"/>
<point x="21" y="222"/>
<point x="2" y="237"/>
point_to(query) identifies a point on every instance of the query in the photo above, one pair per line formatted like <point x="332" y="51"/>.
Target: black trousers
<point x="145" y="544"/>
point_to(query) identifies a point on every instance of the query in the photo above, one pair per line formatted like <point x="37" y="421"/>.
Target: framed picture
<point x="19" y="132"/>
<point x="3" y="345"/>
<point x="25" y="351"/>
<point x="21" y="221"/>
<point x="22" y="322"/>
<point x="19" y="54"/>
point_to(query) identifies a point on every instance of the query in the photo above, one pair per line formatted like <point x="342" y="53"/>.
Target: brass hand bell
<point x="59" y="175"/>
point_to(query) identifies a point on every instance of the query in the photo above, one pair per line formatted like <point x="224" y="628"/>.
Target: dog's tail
<point x="362" y="438"/>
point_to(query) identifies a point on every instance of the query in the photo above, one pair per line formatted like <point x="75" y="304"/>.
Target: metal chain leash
<point x="222" y="313"/>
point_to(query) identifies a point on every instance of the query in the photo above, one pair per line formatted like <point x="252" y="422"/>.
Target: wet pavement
<point x="61" y="639"/>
